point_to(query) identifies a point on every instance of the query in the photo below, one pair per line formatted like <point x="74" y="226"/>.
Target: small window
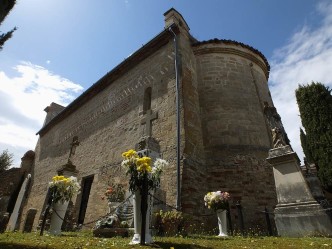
<point x="147" y="99"/>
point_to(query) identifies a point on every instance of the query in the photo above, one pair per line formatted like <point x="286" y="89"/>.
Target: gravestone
<point x="310" y="174"/>
<point x="14" y="216"/>
<point x="126" y="212"/>
<point x="112" y="224"/>
<point x="4" y="218"/>
<point x="297" y="214"/>
<point x="29" y="219"/>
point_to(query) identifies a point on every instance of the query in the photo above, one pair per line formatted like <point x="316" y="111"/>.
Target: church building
<point x="202" y="103"/>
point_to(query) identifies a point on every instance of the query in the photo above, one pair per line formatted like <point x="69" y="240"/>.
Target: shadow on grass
<point x="5" y="245"/>
<point x="168" y="245"/>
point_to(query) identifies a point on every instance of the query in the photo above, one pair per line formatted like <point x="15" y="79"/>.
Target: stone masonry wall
<point x="231" y="107"/>
<point x="224" y="135"/>
<point x="194" y="170"/>
<point x="232" y="90"/>
<point x="109" y="125"/>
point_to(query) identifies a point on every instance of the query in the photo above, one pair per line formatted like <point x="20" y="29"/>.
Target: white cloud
<point x="307" y="57"/>
<point x="24" y="97"/>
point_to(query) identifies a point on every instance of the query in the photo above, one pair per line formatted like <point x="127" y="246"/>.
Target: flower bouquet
<point x="216" y="200"/>
<point x="63" y="188"/>
<point x="114" y="193"/>
<point x="139" y="168"/>
<point x="144" y="177"/>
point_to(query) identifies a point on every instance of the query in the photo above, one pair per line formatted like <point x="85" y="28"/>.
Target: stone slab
<point x="302" y="219"/>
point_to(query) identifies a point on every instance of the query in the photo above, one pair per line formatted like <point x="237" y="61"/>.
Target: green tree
<point x="315" y="105"/>
<point x="6" y="160"/>
<point x="5" y="7"/>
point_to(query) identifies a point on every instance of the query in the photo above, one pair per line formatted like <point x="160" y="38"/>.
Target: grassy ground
<point x="84" y="240"/>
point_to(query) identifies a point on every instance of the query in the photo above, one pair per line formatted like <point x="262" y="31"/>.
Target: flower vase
<point x="222" y="222"/>
<point x="58" y="214"/>
<point x="138" y="220"/>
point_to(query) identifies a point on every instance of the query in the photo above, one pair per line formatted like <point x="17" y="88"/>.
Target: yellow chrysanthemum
<point x="144" y="164"/>
<point x="60" y="178"/>
<point x="144" y="168"/>
<point x="144" y="159"/>
<point x="129" y="154"/>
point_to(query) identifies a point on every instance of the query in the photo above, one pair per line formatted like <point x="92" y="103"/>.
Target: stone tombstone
<point x="313" y="181"/>
<point x="12" y="223"/>
<point x="29" y="219"/>
<point x="4" y="200"/>
<point x="125" y="212"/>
<point x="297" y="214"/>
<point x="4" y="218"/>
<point x="111" y="225"/>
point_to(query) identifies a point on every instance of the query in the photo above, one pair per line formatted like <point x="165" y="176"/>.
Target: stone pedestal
<point x="67" y="170"/>
<point x="297" y="214"/>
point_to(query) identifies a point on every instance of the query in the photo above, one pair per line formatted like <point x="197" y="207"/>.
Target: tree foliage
<point x="5" y="7"/>
<point x="315" y="105"/>
<point x="6" y="160"/>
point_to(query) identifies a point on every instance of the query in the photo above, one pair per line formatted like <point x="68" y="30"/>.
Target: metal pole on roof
<point x="176" y="66"/>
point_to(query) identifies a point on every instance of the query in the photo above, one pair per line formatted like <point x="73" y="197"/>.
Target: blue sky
<point x="62" y="47"/>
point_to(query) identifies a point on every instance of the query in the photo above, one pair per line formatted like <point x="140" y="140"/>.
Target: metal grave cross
<point x="147" y="119"/>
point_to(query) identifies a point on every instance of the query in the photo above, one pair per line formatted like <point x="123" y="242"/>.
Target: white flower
<point x="125" y="163"/>
<point x="160" y="163"/>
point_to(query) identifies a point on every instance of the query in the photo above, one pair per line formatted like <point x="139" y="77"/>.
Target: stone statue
<point x="278" y="138"/>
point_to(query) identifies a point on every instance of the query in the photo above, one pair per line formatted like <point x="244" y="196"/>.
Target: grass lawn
<point x="82" y="240"/>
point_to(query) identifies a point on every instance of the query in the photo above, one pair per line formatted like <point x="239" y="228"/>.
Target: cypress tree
<point x="5" y="7"/>
<point x="315" y="106"/>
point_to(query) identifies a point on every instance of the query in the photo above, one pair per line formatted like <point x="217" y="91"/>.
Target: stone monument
<point x="11" y="226"/>
<point x="297" y="213"/>
<point x="69" y="169"/>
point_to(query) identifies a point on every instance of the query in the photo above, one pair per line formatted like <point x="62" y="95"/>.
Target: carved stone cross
<point x="147" y="119"/>
<point x="74" y="144"/>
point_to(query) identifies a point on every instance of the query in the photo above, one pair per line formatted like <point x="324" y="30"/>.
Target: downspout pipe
<point x="177" y="89"/>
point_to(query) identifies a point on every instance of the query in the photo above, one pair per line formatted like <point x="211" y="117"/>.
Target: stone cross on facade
<point x="147" y="119"/>
<point x="74" y="144"/>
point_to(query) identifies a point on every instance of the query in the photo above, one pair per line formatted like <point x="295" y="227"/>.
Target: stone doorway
<point x="86" y="188"/>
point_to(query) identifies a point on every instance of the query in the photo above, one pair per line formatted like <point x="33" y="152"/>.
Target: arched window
<point x="147" y="99"/>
